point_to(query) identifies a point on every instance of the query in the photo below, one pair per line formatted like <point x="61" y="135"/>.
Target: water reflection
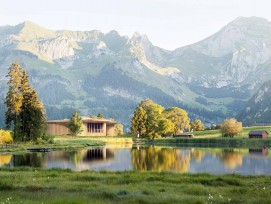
<point x="231" y="159"/>
<point x="182" y="160"/>
<point x="258" y="151"/>
<point x="160" y="159"/>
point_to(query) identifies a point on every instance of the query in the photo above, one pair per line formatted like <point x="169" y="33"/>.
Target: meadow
<point x="29" y="185"/>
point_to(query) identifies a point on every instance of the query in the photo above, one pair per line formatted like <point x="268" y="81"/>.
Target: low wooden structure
<point x="261" y="134"/>
<point x="185" y="135"/>
<point x="91" y="127"/>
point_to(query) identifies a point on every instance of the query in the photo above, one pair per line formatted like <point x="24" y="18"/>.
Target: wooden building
<point x="185" y="135"/>
<point x="258" y="134"/>
<point x="91" y="127"/>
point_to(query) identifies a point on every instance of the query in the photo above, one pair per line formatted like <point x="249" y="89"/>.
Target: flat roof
<point x="85" y="119"/>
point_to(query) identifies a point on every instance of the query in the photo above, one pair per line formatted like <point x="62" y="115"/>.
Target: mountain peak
<point x="140" y="39"/>
<point x="31" y="30"/>
<point x="249" y="20"/>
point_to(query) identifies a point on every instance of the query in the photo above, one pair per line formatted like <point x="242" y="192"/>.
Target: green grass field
<point x="27" y="185"/>
<point x="217" y="133"/>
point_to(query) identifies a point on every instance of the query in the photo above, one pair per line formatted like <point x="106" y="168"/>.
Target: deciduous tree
<point x="231" y="127"/>
<point x="178" y="117"/>
<point x="75" y="124"/>
<point x="154" y="115"/>
<point x="138" y="123"/>
<point x="197" y="125"/>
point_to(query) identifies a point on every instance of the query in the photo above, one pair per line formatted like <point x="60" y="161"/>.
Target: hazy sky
<point x="167" y="23"/>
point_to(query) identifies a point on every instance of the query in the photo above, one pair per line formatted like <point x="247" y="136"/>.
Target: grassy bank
<point x="69" y="142"/>
<point x="213" y="138"/>
<point x="57" y="145"/>
<point x="64" y="186"/>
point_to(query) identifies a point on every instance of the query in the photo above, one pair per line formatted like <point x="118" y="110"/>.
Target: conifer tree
<point x="26" y="115"/>
<point x="99" y="116"/>
<point x="14" y="99"/>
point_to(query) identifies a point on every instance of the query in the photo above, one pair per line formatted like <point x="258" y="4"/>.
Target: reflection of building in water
<point x="258" y="151"/>
<point x="97" y="154"/>
<point x="80" y="156"/>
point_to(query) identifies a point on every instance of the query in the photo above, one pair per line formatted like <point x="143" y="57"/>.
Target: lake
<point x="175" y="159"/>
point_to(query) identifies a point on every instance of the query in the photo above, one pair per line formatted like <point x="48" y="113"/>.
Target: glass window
<point x="95" y="127"/>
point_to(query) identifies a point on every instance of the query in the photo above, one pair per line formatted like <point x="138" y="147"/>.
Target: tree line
<point x="152" y="120"/>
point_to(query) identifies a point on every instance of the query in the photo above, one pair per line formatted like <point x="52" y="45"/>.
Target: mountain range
<point x="96" y="72"/>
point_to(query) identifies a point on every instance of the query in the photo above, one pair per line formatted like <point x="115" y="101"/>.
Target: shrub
<point x="48" y="138"/>
<point x="5" y="137"/>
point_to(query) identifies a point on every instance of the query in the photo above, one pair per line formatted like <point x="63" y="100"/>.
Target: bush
<point x="48" y="138"/>
<point x="40" y="141"/>
<point x="5" y="137"/>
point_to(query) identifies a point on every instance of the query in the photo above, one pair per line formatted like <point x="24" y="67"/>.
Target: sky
<point x="167" y="23"/>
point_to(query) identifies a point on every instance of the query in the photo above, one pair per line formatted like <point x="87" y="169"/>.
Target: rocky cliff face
<point x="258" y="108"/>
<point x="96" y="72"/>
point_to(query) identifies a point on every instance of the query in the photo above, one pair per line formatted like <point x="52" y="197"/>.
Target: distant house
<point x="184" y="135"/>
<point x="258" y="134"/>
<point x="91" y="127"/>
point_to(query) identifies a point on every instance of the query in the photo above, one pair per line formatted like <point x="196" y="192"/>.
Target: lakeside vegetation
<point x="213" y="138"/>
<point x="206" y="138"/>
<point x="29" y="185"/>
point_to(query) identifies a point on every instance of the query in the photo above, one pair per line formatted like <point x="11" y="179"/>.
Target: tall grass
<point x="26" y="185"/>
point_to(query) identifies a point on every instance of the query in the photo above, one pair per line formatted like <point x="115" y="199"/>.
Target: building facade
<point x="91" y="127"/>
<point x="258" y="134"/>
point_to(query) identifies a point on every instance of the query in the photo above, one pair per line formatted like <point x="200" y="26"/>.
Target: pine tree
<point x="75" y="124"/>
<point x="14" y="100"/>
<point x="33" y="116"/>
<point x="99" y="116"/>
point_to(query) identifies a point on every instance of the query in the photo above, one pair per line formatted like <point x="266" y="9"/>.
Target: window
<point x="95" y="127"/>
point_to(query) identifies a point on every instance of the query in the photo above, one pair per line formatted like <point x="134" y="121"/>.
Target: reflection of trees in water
<point x="231" y="159"/>
<point x="197" y="155"/>
<point x="159" y="159"/>
<point x="5" y="159"/>
<point x="30" y="159"/>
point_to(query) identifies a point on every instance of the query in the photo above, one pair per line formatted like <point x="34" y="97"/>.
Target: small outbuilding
<point x="258" y="134"/>
<point x="184" y="135"/>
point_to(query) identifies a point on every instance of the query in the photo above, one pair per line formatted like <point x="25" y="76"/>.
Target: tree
<point x="118" y="129"/>
<point x="75" y="124"/>
<point x="14" y="99"/>
<point x="231" y="127"/>
<point x="166" y="127"/>
<point x="99" y="116"/>
<point x="154" y="115"/>
<point x="178" y="117"/>
<point x="197" y="125"/>
<point x="33" y="114"/>
<point x="25" y="114"/>
<point x="138" y="123"/>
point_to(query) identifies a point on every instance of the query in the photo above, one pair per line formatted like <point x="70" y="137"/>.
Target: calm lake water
<point x="183" y="160"/>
